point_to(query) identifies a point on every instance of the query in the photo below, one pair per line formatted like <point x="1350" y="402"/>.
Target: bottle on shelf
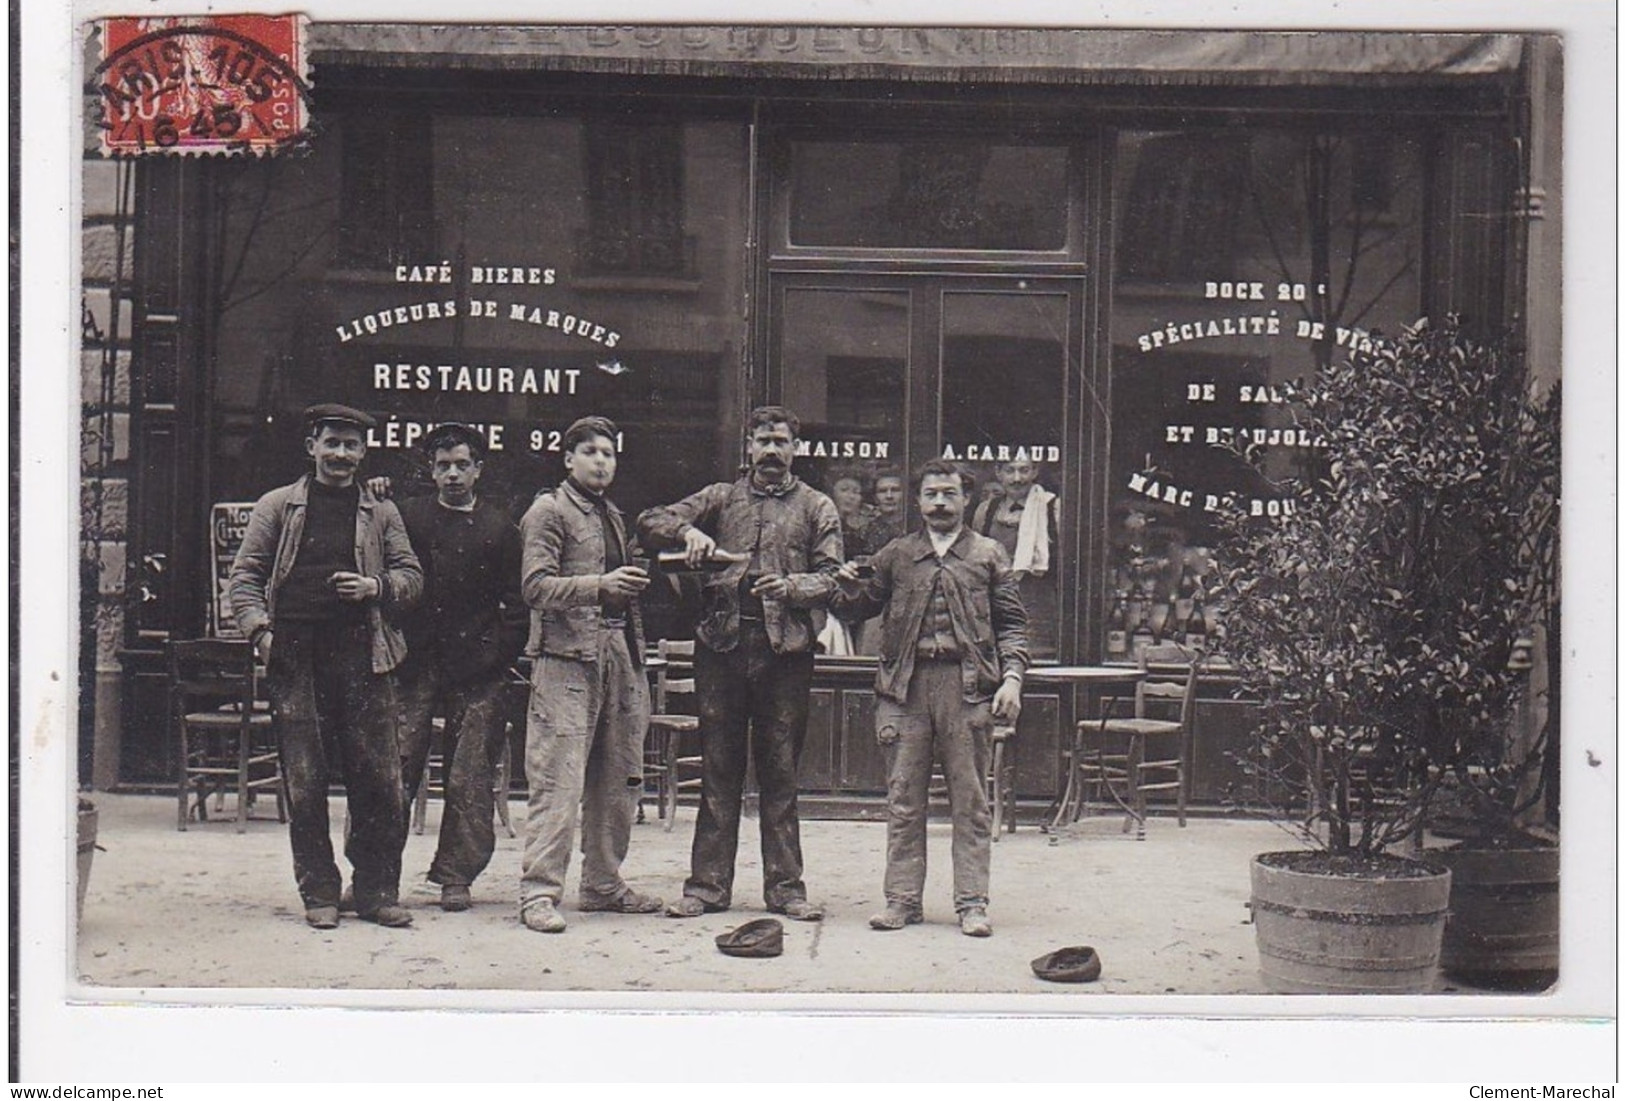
<point x="1196" y="626"/>
<point x="1183" y="603"/>
<point x="1143" y="638"/>
<point x="1161" y="620"/>
<point x="1117" y="629"/>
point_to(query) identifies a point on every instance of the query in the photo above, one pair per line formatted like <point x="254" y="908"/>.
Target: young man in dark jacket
<point x="754" y="658"/>
<point x="461" y="640"/>
<point x="953" y="651"/>
<point x="321" y="562"/>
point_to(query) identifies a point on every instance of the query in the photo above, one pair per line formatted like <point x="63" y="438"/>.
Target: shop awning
<point x="1008" y="55"/>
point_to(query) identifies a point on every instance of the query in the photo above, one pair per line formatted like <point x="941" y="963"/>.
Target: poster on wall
<point x="228" y="522"/>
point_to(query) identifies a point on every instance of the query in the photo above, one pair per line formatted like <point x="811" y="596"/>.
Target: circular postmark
<point x="200" y="85"/>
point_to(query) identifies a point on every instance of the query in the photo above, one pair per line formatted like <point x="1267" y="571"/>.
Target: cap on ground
<point x="332" y="411"/>
<point x="448" y="434"/>
<point x="1073" y="964"/>
<point x="759" y="939"/>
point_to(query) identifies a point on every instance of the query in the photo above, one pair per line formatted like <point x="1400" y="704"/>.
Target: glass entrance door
<point x="889" y="371"/>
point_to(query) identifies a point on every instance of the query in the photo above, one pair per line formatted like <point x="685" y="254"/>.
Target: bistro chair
<point x="666" y="757"/>
<point x="999" y="781"/>
<point x="225" y="734"/>
<point x="434" y="769"/>
<point x="1130" y="756"/>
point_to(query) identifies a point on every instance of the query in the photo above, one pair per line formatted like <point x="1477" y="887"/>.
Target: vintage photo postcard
<point x="1042" y="516"/>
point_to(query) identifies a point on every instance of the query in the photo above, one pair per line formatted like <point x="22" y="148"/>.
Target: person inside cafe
<point x="1024" y="518"/>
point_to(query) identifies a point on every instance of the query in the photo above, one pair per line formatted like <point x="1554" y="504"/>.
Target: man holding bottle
<point x="753" y="660"/>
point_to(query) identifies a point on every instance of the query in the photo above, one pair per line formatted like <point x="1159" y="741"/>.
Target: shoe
<point x="627" y="902"/>
<point x="799" y="909"/>
<point x="973" y="922"/>
<point x="322" y="917"/>
<point x="688" y="906"/>
<point x="455" y="898"/>
<point x="391" y="915"/>
<point x="540" y="916"/>
<point x="347" y="900"/>
<point x="895" y="916"/>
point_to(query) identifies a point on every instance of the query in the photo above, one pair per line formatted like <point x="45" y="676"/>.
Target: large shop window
<point x="845" y="370"/>
<point x="928" y="193"/>
<point x="1003" y="387"/>
<point x="513" y="272"/>
<point x="1242" y="260"/>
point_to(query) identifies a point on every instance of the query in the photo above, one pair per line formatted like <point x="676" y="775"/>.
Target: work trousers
<point x="334" y="716"/>
<point x="583" y="757"/>
<point x="753" y="705"/>
<point x="936" y="723"/>
<point x="475" y="727"/>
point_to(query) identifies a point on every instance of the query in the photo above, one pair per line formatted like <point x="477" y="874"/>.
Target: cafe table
<point x="1086" y="683"/>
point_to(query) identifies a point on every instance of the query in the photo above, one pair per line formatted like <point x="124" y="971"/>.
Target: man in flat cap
<point x="321" y="564"/>
<point x="461" y="640"/>
<point x="589" y="702"/>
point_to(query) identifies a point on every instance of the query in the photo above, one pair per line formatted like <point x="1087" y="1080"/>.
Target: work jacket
<point x="382" y="552"/>
<point x="984" y="608"/>
<point x="471" y="621"/>
<point x="563" y="558"/>
<point x="799" y="533"/>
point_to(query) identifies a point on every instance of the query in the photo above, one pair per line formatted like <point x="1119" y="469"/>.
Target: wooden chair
<point x="999" y="781"/>
<point x="1143" y="752"/>
<point x="225" y="734"/>
<point x="1001" y="786"/>
<point x="665" y="756"/>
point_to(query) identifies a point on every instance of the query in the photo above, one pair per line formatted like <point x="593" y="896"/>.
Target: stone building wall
<point x="104" y="486"/>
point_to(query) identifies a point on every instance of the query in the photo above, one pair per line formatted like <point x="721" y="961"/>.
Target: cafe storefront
<point x="1085" y="259"/>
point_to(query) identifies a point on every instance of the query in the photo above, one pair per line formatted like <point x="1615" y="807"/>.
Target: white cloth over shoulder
<point x="1033" y="534"/>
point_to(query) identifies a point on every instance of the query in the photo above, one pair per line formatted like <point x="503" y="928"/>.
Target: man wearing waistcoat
<point x="953" y="651"/>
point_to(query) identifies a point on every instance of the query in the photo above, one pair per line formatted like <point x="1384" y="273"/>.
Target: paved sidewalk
<point x="211" y="908"/>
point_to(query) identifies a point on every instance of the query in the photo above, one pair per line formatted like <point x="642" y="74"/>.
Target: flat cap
<point x="1075" y="964"/>
<point x="759" y="939"/>
<point x="343" y="414"/>
<point x="448" y="434"/>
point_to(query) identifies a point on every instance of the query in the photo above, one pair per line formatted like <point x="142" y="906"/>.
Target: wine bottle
<point x="1182" y="605"/>
<point x="1117" y="629"/>
<point x="1143" y="638"/>
<point x="676" y="561"/>
<point x="1196" y="626"/>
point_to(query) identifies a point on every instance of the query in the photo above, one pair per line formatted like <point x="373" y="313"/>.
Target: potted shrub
<point x="1503" y="927"/>
<point x="1374" y="625"/>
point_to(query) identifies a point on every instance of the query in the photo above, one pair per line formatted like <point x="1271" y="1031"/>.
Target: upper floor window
<point x="386" y="200"/>
<point x="634" y="200"/>
<point x="928" y="193"/>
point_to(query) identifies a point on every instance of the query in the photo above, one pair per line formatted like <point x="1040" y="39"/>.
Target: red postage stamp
<point x="200" y="84"/>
